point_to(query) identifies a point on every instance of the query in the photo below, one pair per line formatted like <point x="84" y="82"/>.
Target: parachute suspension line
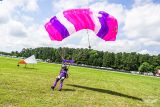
<point x="89" y="44"/>
<point x="60" y="54"/>
<point x="63" y="53"/>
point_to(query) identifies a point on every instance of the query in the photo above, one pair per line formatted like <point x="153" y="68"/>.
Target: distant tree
<point x="99" y="62"/>
<point x="158" y="67"/>
<point x="93" y="55"/>
<point x="118" y="61"/>
<point x="151" y="69"/>
<point x="145" y="67"/>
<point x="143" y="58"/>
<point x="134" y="61"/>
<point x="108" y="59"/>
<point x="57" y="56"/>
<point x="158" y="59"/>
<point x="125" y="61"/>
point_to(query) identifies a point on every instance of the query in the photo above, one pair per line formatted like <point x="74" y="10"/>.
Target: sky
<point x="22" y="25"/>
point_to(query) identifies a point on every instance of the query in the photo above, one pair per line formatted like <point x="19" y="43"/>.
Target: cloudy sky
<point x="22" y="24"/>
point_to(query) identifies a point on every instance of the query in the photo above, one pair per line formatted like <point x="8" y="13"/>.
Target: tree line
<point x="121" y="61"/>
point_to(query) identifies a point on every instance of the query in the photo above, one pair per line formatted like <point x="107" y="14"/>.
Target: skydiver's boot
<point x="52" y="87"/>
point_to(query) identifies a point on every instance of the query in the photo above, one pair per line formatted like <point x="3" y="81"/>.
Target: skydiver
<point x="62" y="75"/>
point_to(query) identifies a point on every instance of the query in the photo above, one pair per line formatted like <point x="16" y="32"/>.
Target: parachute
<point x="70" y="21"/>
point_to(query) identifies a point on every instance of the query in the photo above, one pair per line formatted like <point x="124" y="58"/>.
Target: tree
<point x="125" y="59"/>
<point x="151" y="69"/>
<point x="108" y="59"/>
<point x="156" y="69"/>
<point x="132" y="62"/>
<point x="145" y="67"/>
<point x="118" y="61"/>
<point x="93" y="55"/>
<point x="143" y="58"/>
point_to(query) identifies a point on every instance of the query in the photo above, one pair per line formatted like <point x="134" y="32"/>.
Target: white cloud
<point x="31" y="5"/>
<point x="148" y="52"/>
<point x="69" y="4"/>
<point x="141" y="2"/>
<point x="14" y="32"/>
<point x="142" y="25"/>
<point x="9" y="6"/>
<point x="143" y="22"/>
<point x="16" y="29"/>
<point x="148" y="42"/>
<point x="116" y="10"/>
<point x="118" y="46"/>
<point x="35" y="36"/>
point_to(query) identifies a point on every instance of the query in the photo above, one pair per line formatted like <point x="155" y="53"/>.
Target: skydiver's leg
<point x="57" y="79"/>
<point x="55" y="83"/>
<point x="61" y="83"/>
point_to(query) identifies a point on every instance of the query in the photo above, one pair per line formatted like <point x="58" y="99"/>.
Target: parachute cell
<point x="70" y="21"/>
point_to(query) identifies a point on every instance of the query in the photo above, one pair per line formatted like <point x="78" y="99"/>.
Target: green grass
<point x="85" y="87"/>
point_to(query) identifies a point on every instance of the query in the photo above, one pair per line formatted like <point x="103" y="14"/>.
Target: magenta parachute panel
<point x="70" y="21"/>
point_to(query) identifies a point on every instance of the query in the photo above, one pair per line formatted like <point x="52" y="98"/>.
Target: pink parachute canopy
<point x="70" y="21"/>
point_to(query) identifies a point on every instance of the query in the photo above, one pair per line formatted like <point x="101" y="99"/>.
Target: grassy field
<point x="85" y="87"/>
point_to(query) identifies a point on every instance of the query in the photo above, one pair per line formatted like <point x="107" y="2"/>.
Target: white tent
<point x="29" y="60"/>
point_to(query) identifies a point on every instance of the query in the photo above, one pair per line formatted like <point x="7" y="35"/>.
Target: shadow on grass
<point x="68" y="90"/>
<point x="27" y="67"/>
<point x="30" y="68"/>
<point x="106" y="91"/>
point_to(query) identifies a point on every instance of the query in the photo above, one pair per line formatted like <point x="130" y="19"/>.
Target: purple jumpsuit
<point x="62" y="75"/>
